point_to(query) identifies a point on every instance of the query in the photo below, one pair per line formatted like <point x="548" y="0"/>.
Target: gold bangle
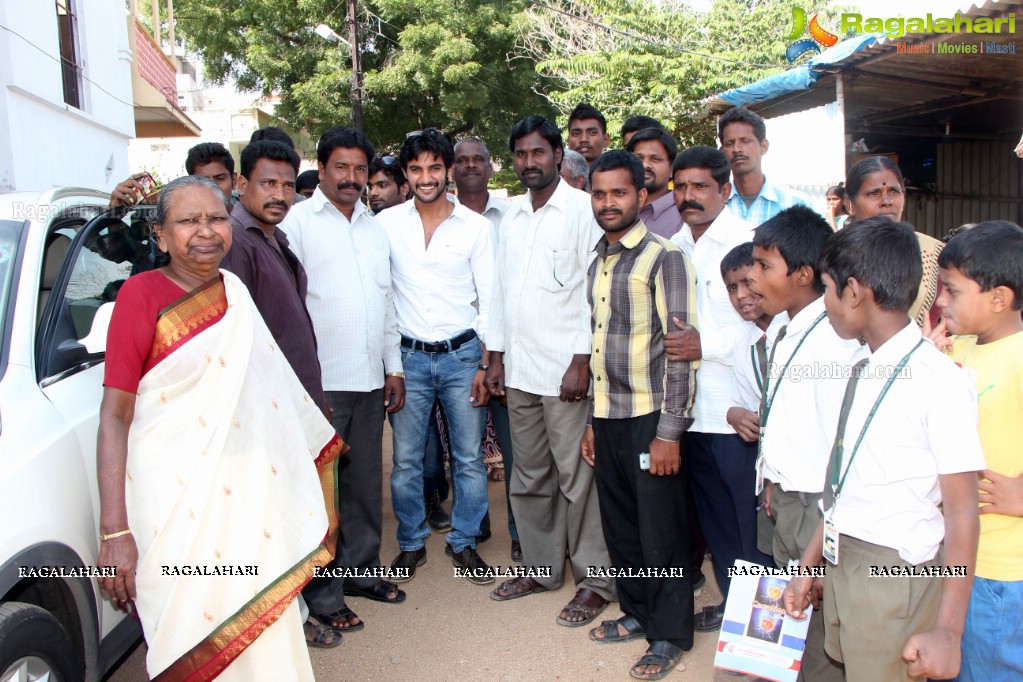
<point x="400" y="375"/>
<point x="104" y="538"/>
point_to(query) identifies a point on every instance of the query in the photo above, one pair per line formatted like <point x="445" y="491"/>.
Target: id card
<point x="760" y="474"/>
<point x="830" y="541"/>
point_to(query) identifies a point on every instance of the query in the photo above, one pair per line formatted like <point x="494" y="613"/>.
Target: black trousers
<point x="646" y="526"/>
<point x="359" y="420"/>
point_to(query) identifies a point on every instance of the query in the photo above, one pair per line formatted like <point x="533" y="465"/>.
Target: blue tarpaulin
<point x="798" y="78"/>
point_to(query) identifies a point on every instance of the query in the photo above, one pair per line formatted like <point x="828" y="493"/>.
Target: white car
<point x="63" y="254"/>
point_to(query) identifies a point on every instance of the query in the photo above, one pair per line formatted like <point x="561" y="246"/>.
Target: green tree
<point x="656" y="57"/>
<point x="451" y="64"/>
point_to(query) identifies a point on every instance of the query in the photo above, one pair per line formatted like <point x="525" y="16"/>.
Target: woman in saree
<point x="216" y="470"/>
<point x="875" y="186"/>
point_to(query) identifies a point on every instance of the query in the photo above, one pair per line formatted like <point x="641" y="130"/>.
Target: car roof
<point x="12" y="204"/>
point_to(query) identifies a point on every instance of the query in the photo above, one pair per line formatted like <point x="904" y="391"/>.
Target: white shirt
<point x="541" y="317"/>
<point x="925" y="427"/>
<point x="800" y="428"/>
<point x="745" y="365"/>
<point x="349" y="297"/>
<point x="436" y="289"/>
<point x="494" y="212"/>
<point x="720" y="326"/>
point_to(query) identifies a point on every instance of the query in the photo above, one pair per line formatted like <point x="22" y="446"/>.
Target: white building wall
<point x="807" y="151"/>
<point x="43" y="141"/>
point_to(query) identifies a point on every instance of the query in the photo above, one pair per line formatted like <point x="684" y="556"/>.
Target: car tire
<point x="33" y="641"/>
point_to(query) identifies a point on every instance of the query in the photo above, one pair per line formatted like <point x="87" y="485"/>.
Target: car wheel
<point x="34" y="646"/>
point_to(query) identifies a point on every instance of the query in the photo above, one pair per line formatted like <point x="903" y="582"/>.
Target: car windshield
<point x="10" y="236"/>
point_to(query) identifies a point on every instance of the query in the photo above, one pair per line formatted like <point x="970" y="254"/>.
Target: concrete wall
<point x="43" y="141"/>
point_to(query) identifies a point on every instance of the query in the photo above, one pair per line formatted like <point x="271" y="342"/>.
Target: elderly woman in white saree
<point x="216" y="470"/>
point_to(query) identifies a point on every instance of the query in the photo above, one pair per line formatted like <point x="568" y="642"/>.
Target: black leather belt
<point x="439" y="346"/>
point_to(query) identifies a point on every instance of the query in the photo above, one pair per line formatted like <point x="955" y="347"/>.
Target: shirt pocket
<point x="560" y="270"/>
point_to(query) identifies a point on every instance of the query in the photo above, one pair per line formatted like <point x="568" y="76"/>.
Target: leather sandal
<point x="343" y="614"/>
<point x="662" y="654"/>
<point x="321" y="636"/>
<point x="378" y="591"/>
<point x="515" y="588"/>
<point x="633" y="630"/>
<point x="585" y="603"/>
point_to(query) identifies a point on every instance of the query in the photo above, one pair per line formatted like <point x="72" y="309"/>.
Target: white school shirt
<point x="541" y="317"/>
<point x="744" y="361"/>
<point x="800" y="429"/>
<point x="720" y="326"/>
<point x="925" y="427"/>
<point x="437" y="289"/>
<point x="349" y="296"/>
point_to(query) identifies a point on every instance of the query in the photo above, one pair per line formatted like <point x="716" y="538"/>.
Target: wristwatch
<point x="483" y="367"/>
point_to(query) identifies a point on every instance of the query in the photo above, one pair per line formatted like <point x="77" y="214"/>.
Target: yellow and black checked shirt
<point x="635" y="287"/>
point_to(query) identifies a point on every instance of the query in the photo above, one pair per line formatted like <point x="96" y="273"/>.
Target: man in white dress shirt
<point x="442" y="262"/>
<point x="540" y="340"/>
<point x="350" y="302"/>
<point x="722" y="464"/>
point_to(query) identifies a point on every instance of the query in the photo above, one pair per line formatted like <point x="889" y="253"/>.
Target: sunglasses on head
<point x="425" y="131"/>
<point x="388" y="160"/>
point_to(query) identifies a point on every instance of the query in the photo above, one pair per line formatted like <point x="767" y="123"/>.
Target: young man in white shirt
<point x="349" y="300"/>
<point x="442" y="262"/>
<point x="540" y="341"/>
<point x="722" y="464"/>
<point x="802" y="394"/>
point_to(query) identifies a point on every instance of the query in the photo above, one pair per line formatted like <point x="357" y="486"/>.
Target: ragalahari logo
<point x="819" y="37"/>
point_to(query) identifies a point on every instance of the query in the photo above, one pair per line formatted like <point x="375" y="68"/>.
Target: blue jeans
<point x="446" y="377"/>
<point x="993" y="637"/>
<point x="434" y="479"/>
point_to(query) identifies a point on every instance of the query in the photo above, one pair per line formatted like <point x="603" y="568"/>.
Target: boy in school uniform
<point x="749" y="365"/>
<point x="899" y="527"/>
<point x="981" y="273"/>
<point x="801" y="394"/>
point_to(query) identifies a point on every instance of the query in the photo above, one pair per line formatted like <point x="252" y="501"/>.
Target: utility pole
<point x="353" y="38"/>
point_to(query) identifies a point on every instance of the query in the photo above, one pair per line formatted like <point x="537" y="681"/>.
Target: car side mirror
<point x="95" y="342"/>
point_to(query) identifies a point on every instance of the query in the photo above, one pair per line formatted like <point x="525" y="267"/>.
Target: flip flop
<point x="611" y="635"/>
<point x="343" y="613"/>
<point x="517" y="585"/>
<point x="661" y="653"/>
<point x="586" y="603"/>
<point x="378" y="591"/>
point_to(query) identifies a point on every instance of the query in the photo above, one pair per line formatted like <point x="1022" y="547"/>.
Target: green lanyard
<point x="770" y="401"/>
<point x="755" y="359"/>
<point x="836" y="484"/>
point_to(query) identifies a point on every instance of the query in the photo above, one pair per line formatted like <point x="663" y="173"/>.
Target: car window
<point x="10" y="236"/>
<point x="110" y="249"/>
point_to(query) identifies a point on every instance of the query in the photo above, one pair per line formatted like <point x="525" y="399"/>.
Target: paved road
<point x="449" y="629"/>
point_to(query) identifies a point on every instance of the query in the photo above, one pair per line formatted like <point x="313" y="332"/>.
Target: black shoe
<point x="482" y="537"/>
<point x="439" y="520"/>
<point x="516" y="552"/>
<point x="698" y="585"/>
<point x="475" y="569"/>
<point x="404" y="566"/>
<point x="709" y="619"/>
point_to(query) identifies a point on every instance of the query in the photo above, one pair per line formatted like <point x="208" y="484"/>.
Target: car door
<point x="101" y="254"/>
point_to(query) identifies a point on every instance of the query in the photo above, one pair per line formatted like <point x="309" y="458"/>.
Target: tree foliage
<point x="451" y="64"/>
<point x="656" y="57"/>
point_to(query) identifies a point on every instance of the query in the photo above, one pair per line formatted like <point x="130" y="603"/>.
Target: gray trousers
<point x="553" y="494"/>
<point x="359" y="420"/>
<point x="796" y="518"/>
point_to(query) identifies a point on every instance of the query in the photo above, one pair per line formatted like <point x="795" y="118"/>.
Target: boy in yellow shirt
<point x="981" y="271"/>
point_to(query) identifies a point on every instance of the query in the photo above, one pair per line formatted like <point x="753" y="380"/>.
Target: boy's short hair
<point x="883" y="255"/>
<point x="208" y="152"/>
<point x="388" y="165"/>
<point x="739" y="257"/>
<point x="271" y="150"/>
<point x="657" y="135"/>
<point x="619" y="158"/>
<point x="272" y="133"/>
<point x="307" y="180"/>
<point x="742" y="115"/>
<point x="991" y="254"/>
<point x="430" y="141"/>
<point x="799" y="234"/>
<point x="585" y="112"/>
<point x="639" y="122"/>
